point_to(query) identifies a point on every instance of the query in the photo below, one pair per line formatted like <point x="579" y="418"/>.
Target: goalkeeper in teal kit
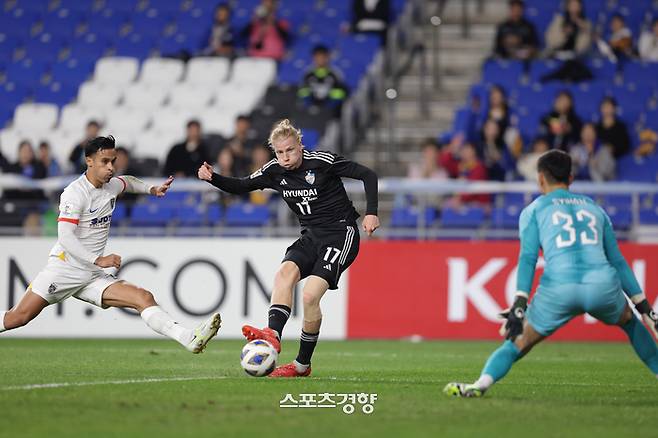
<point x="584" y="273"/>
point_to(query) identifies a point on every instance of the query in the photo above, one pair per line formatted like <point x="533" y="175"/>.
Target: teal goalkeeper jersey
<point x="578" y="242"/>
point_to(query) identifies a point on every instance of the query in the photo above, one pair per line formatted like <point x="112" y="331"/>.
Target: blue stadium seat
<point x="8" y="43"/>
<point x="44" y="46"/>
<point x="290" y="73"/>
<point x="244" y="214"/>
<point x="649" y="216"/>
<point x="150" y="22"/>
<point x="58" y="93"/>
<point x="542" y="67"/>
<point x="506" y="217"/>
<point x="134" y="44"/>
<point x="6" y="114"/>
<point x="407" y="217"/>
<point x="124" y="5"/>
<point x="465" y="217"/>
<point x="62" y="21"/>
<point x="36" y="6"/>
<point x="107" y="22"/>
<point x="215" y="214"/>
<point x="631" y="168"/>
<point x="152" y="214"/>
<point x="27" y="71"/>
<point x="191" y="215"/>
<point x="602" y="69"/>
<point x="311" y="138"/>
<point x="621" y="218"/>
<point x="181" y="40"/>
<point x="89" y="45"/>
<point x="505" y="73"/>
<point x="12" y="94"/>
<point x="120" y="213"/>
<point x="18" y="22"/>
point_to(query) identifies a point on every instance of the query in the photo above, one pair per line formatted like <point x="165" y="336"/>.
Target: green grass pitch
<point x="560" y="389"/>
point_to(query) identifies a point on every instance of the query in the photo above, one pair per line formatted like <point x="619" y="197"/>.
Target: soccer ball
<point x="258" y="358"/>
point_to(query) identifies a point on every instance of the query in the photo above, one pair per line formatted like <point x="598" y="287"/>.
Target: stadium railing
<point x="424" y="194"/>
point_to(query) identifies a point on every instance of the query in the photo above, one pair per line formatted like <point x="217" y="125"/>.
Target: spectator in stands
<point x="225" y="164"/>
<point x="241" y="144"/>
<point x="527" y="164"/>
<point x="516" y="38"/>
<point x="611" y="131"/>
<point x="260" y="156"/>
<point x="562" y="126"/>
<point x="221" y="40"/>
<point x="4" y="163"/>
<point x="122" y="164"/>
<point x="621" y="37"/>
<point x="570" y="34"/>
<point x="472" y="169"/>
<point x="77" y="156"/>
<point x="429" y="166"/>
<point x="371" y="16"/>
<point x="184" y="159"/>
<point x="648" y="44"/>
<point x="267" y="35"/>
<point x="498" y="109"/>
<point x="590" y="160"/>
<point x="493" y="150"/>
<point x="323" y="84"/>
<point x="27" y="164"/>
<point x="48" y="161"/>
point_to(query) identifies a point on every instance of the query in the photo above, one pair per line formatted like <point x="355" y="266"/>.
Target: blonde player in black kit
<point x="310" y="183"/>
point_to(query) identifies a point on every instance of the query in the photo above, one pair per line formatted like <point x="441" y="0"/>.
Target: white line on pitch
<point x="106" y="382"/>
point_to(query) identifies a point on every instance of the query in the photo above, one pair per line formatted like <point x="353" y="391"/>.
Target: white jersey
<point x="90" y="208"/>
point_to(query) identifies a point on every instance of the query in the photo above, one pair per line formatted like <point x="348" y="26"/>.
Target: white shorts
<point x="59" y="280"/>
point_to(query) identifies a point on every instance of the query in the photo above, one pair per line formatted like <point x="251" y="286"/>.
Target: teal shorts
<point x="553" y="307"/>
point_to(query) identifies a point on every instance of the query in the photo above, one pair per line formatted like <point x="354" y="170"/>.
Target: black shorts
<point x="325" y="252"/>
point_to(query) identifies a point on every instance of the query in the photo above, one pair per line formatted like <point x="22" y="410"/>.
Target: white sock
<point x="301" y="368"/>
<point x="160" y="322"/>
<point x="2" y="322"/>
<point x="484" y="382"/>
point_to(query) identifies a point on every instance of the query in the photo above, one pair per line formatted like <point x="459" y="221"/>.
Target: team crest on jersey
<point x="52" y="288"/>
<point x="310" y="176"/>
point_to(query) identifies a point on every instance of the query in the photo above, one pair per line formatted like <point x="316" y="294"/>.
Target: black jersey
<point x="314" y="190"/>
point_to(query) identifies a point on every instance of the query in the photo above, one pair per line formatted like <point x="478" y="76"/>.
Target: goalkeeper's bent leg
<point x="498" y="365"/>
<point x="642" y="343"/>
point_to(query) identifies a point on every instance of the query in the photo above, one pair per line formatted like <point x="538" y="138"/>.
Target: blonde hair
<point x="283" y="130"/>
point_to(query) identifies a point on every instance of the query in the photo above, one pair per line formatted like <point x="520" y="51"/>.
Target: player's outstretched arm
<point x="344" y="167"/>
<point x="236" y="186"/>
<point x="133" y="184"/>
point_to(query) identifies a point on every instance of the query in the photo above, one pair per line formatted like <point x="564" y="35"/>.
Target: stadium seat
<point x="152" y="214"/>
<point x="219" y="121"/>
<point x="168" y="119"/>
<point x="74" y="117"/>
<point x="27" y="71"/>
<point x="311" y="137"/>
<point x="116" y="70"/>
<point x="12" y="93"/>
<point x="18" y="22"/>
<point x="506" y="217"/>
<point x="61" y="144"/>
<point x="505" y="73"/>
<point x="9" y="141"/>
<point x="100" y="95"/>
<point x="253" y="70"/>
<point x="45" y="46"/>
<point x="407" y="217"/>
<point x="181" y="41"/>
<point x="72" y="71"/>
<point x="57" y="93"/>
<point x="161" y="72"/>
<point x="151" y="143"/>
<point x="238" y="98"/>
<point x="151" y="21"/>
<point x="244" y="214"/>
<point x="35" y="117"/>
<point x="107" y="22"/>
<point x="89" y="45"/>
<point x="215" y="214"/>
<point x="184" y="96"/>
<point x="207" y="72"/>
<point x="127" y="121"/>
<point x="649" y="216"/>
<point x="144" y="96"/>
<point x="134" y="45"/>
<point x="62" y="21"/>
<point x="464" y="217"/>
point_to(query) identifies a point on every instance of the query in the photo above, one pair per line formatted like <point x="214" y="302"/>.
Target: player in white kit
<point x="76" y="262"/>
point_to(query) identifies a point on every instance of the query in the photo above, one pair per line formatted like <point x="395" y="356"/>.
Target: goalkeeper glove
<point x="515" y="316"/>
<point x="648" y="316"/>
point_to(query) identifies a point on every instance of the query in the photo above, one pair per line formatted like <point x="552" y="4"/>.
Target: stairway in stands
<point x="460" y="62"/>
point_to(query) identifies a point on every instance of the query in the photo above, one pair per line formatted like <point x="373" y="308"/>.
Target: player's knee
<point x="626" y="316"/>
<point x="287" y="274"/>
<point x="310" y="300"/>
<point x="145" y="299"/>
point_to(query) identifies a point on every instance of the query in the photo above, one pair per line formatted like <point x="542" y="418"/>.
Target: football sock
<point x="160" y="322"/>
<point x="499" y="363"/>
<point x="307" y="343"/>
<point x="643" y="343"/>
<point x="300" y="367"/>
<point x="277" y="318"/>
<point x="2" y="322"/>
